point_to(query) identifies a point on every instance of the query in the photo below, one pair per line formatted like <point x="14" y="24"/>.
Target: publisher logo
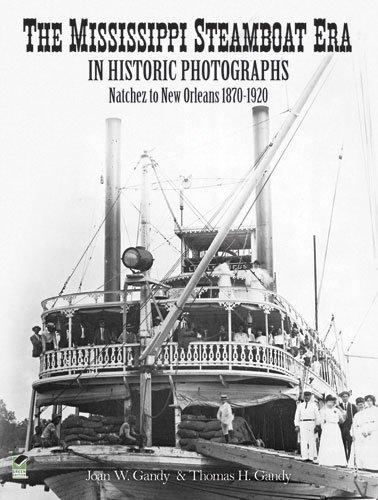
<point x="19" y="467"/>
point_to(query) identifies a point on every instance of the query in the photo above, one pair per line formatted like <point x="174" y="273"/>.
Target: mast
<point x="315" y="284"/>
<point x="261" y="171"/>
<point x="112" y="251"/>
<point x="264" y="238"/>
<point x="145" y="320"/>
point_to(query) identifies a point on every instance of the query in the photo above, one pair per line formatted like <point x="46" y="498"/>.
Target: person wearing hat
<point x="305" y="420"/>
<point x="226" y="417"/>
<point x="331" y="449"/>
<point x="36" y="340"/>
<point x="345" y="426"/>
<point x="357" y="452"/>
<point x="369" y="429"/>
<point x="50" y="433"/>
<point x="49" y="342"/>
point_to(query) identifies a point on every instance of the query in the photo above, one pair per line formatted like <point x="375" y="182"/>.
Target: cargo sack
<point x="193" y="425"/>
<point x="207" y="434"/>
<point x="212" y="425"/>
<point x="188" y="444"/>
<point x="187" y="433"/>
<point x="194" y="417"/>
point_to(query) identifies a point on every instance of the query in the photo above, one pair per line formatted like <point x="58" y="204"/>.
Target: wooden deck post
<point x="30" y="429"/>
<point x="177" y="411"/>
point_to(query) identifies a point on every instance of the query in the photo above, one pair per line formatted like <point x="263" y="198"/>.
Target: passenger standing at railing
<point x="260" y="338"/>
<point x="49" y="341"/>
<point x="102" y="334"/>
<point x="80" y="332"/>
<point x="224" y="274"/>
<point x="240" y="336"/>
<point x="220" y="336"/>
<point x="279" y="339"/>
<point x="36" y="341"/>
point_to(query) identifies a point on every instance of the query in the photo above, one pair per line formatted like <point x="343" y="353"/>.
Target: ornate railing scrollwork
<point x="248" y="357"/>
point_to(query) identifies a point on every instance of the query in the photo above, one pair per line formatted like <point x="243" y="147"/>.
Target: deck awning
<point x="201" y="239"/>
<point x="240" y="395"/>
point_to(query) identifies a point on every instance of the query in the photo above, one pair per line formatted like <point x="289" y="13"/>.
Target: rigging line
<point x="85" y="263"/>
<point x="221" y="138"/>
<point x="329" y="328"/>
<point x="126" y="230"/>
<point x="154" y="165"/>
<point x="188" y="202"/>
<point x="330" y="224"/>
<point x="287" y="144"/>
<point x="95" y="235"/>
<point x="363" y="320"/>
<point x="243" y="181"/>
<point x="216" y="208"/>
<point x="363" y="111"/>
<point x="157" y="230"/>
<point x="103" y="349"/>
<point x="88" y="246"/>
<point x="250" y="170"/>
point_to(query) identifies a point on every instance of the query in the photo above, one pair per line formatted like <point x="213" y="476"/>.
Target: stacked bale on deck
<point x="194" y="427"/>
<point x="96" y="429"/>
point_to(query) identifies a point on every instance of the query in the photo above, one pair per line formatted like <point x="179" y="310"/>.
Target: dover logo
<point x="19" y="467"/>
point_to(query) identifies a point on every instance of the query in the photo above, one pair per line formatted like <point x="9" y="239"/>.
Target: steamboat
<point x="171" y="351"/>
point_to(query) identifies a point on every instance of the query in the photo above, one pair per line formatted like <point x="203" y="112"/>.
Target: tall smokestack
<point x="112" y="254"/>
<point x="264" y="239"/>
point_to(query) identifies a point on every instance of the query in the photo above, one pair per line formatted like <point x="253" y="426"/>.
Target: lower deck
<point x="218" y="471"/>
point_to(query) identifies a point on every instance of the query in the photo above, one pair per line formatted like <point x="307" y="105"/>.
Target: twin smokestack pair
<point x="112" y="253"/>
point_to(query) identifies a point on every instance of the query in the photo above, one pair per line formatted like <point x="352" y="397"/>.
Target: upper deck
<point x="202" y="356"/>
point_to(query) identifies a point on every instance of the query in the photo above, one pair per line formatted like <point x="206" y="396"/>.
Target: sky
<point x="52" y="131"/>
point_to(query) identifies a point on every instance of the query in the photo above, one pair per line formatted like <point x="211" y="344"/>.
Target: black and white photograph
<point x="189" y="249"/>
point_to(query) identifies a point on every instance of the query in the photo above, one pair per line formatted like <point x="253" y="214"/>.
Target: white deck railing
<point x="220" y="356"/>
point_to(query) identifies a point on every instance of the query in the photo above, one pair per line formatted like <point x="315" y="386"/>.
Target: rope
<point x="330" y="224"/>
<point x="363" y="320"/>
<point x="94" y="236"/>
<point x="154" y="165"/>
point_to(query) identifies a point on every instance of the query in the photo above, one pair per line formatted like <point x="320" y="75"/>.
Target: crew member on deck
<point x="305" y="420"/>
<point x="36" y="441"/>
<point x="226" y="417"/>
<point x="128" y="434"/>
<point x="345" y="426"/>
<point x="50" y="434"/>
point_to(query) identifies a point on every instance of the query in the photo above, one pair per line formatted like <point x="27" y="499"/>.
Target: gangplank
<point x="361" y="483"/>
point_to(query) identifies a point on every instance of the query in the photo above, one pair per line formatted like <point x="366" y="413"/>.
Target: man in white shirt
<point x="225" y="416"/>
<point x="306" y="418"/>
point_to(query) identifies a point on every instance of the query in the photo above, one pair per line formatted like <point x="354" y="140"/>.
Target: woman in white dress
<point x="331" y="449"/>
<point x="369" y="428"/>
<point x="224" y="274"/>
<point x="357" y="451"/>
